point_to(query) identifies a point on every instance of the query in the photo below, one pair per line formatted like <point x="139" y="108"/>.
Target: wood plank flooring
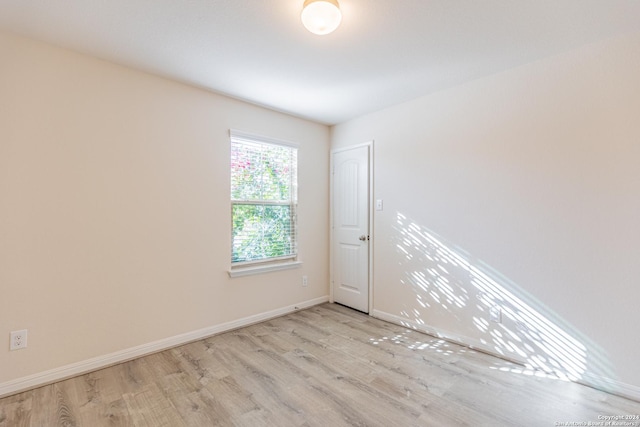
<point x="324" y="366"/>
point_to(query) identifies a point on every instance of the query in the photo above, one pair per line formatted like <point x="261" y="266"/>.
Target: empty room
<point x="319" y="213"/>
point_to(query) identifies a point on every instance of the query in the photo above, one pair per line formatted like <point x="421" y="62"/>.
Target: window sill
<point x="248" y="271"/>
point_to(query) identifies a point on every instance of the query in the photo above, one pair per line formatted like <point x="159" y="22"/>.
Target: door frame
<point x="370" y="207"/>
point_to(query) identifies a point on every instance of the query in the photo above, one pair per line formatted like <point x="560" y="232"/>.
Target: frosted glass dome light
<point x="321" y="16"/>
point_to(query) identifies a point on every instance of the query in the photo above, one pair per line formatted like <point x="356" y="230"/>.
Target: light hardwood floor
<point x="324" y="366"/>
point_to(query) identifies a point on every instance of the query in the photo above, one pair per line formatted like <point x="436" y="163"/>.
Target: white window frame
<point x="244" y="268"/>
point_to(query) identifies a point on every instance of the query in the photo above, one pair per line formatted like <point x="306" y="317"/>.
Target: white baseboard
<point x="439" y="333"/>
<point x="58" y="374"/>
<point x="608" y="385"/>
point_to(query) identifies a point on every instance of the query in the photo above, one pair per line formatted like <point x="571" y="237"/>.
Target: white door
<point x="350" y="211"/>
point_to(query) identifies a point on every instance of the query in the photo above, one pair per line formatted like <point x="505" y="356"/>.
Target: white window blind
<point x="263" y="199"/>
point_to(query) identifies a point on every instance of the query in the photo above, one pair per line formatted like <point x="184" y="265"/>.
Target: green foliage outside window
<point x="263" y="195"/>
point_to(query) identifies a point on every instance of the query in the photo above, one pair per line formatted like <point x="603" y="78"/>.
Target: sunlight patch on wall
<point x="445" y="279"/>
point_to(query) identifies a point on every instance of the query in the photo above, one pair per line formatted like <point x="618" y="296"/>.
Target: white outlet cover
<point x="18" y="340"/>
<point x="495" y="314"/>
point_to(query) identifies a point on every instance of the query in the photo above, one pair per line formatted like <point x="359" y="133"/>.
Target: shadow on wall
<point x="447" y="281"/>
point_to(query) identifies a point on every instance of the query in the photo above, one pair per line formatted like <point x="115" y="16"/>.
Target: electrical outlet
<point x="18" y="340"/>
<point x="495" y="314"/>
<point x="522" y="327"/>
<point x="305" y="281"/>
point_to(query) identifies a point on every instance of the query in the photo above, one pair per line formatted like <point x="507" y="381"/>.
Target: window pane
<point x="261" y="231"/>
<point x="261" y="172"/>
<point x="263" y="198"/>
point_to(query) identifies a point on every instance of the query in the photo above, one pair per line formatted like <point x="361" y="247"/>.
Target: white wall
<point x="521" y="190"/>
<point x="115" y="213"/>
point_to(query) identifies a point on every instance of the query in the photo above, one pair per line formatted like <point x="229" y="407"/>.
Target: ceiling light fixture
<point x="321" y="16"/>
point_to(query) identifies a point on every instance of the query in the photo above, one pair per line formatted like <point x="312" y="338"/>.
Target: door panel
<point x="350" y="249"/>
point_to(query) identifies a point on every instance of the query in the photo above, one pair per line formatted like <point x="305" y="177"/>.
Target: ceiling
<point x="385" y="51"/>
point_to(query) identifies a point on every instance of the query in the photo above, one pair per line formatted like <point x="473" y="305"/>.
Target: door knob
<point x="363" y="237"/>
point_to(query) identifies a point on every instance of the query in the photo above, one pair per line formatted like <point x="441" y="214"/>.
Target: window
<point x="263" y="199"/>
